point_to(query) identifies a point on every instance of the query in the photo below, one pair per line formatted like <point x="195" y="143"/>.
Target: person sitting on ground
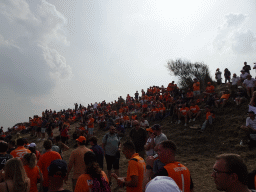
<point x="194" y="111"/>
<point x="240" y="95"/>
<point x="196" y="88"/>
<point x="248" y="128"/>
<point x="94" y="179"/>
<point x="57" y="173"/>
<point x="183" y="112"/>
<point x="15" y="178"/>
<point x="209" y="90"/>
<point x="209" y="117"/>
<point x="223" y="99"/>
<point x="144" y="123"/>
<point x="33" y="172"/>
<point x="243" y="75"/>
<point x="249" y="84"/>
<point x="218" y="76"/>
<point x="126" y="120"/>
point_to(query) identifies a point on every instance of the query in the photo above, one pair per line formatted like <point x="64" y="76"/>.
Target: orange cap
<point x="81" y="139"/>
<point x="150" y="130"/>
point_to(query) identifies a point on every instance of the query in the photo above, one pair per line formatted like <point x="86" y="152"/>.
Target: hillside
<point x="196" y="150"/>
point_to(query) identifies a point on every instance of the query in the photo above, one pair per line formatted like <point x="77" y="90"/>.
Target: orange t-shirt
<point x="190" y="94"/>
<point x="196" y="86"/>
<point x="208" y="114"/>
<point x="184" y="110"/>
<point x="194" y="109"/>
<point x="44" y="162"/>
<point x="136" y="168"/>
<point x="126" y="118"/>
<point x="225" y="96"/>
<point x="33" y="174"/>
<point x="84" y="182"/>
<point x="90" y="123"/>
<point x="134" y="117"/>
<point x="180" y="174"/>
<point x="210" y="89"/>
<point x="155" y="110"/>
<point x="19" y="152"/>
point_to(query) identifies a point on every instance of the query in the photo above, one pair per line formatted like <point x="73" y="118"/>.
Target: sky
<point x="54" y="53"/>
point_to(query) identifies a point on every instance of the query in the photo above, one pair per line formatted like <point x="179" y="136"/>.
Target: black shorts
<point x="112" y="161"/>
<point x="38" y="129"/>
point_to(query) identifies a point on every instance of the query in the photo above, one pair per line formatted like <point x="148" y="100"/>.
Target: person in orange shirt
<point x="94" y="179"/>
<point x="209" y="118"/>
<point x="189" y="95"/>
<point x="223" y="100"/>
<point x="183" y="112"/>
<point x="178" y="172"/>
<point x="196" y="88"/>
<point x="45" y="161"/>
<point x="194" y="111"/>
<point x="20" y="151"/>
<point x="136" y="169"/>
<point x="153" y="113"/>
<point x="33" y="171"/>
<point x="126" y="120"/>
<point x="209" y="90"/>
<point x="90" y="125"/>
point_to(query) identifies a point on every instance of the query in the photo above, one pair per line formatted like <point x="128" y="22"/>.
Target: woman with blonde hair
<point x="33" y="171"/>
<point x="15" y="178"/>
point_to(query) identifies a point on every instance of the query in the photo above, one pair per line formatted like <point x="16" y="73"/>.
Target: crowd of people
<point x="152" y="164"/>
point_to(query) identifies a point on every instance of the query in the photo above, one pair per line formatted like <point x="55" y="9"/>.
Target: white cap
<point x="162" y="184"/>
<point x="32" y="145"/>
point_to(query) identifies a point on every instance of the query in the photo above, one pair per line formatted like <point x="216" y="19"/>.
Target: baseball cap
<point x="81" y="139"/>
<point x="32" y="145"/>
<point x="150" y="130"/>
<point x="57" y="168"/>
<point x="251" y="112"/>
<point x="162" y="184"/>
<point x="156" y="127"/>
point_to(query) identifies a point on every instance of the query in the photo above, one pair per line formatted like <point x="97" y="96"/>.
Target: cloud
<point x="233" y="36"/>
<point x="30" y="65"/>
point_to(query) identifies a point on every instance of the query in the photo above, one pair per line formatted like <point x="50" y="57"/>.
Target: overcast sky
<point x="54" y="53"/>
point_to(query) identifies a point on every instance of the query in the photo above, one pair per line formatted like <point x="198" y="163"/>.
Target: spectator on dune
<point x="230" y="173"/>
<point x="15" y="178"/>
<point x="112" y="146"/>
<point x="209" y="90"/>
<point x="20" y="151"/>
<point x="246" y="67"/>
<point x="183" y="112"/>
<point x="4" y="157"/>
<point x="99" y="152"/>
<point x="76" y="160"/>
<point x="194" y="111"/>
<point x="223" y="99"/>
<point x="32" y="171"/>
<point x="94" y="179"/>
<point x="178" y="172"/>
<point x="11" y="146"/>
<point x="45" y="161"/>
<point x="240" y="95"/>
<point x="189" y="95"/>
<point x="90" y="125"/>
<point x="149" y="146"/>
<point x="196" y="88"/>
<point x="57" y="173"/>
<point x="249" y="84"/>
<point x="253" y="99"/>
<point x="136" y="168"/>
<point x="243" y="75"/>
<point x="138" y="136"/>
<point x="144" y="123"/>
<point x="248" y="128"/>
<point x="218" y="76"/>
<point x="227" y="75"/>
<point x="209" y="118"/>
<point x="32" y="148"/>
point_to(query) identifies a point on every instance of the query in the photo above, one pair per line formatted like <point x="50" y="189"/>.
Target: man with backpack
<point x="111" y="146"/>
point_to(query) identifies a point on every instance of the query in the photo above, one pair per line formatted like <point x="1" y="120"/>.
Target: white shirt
<point x="244" y="76"/>
<point x="150" y="152"/>
<point x="235" y="80"/>
<point x="251" y="123"/>
<point x="144" y="124"/>
<point x="249" y="83"/>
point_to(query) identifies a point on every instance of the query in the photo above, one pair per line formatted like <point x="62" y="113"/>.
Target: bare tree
<point x="187" y="71"/>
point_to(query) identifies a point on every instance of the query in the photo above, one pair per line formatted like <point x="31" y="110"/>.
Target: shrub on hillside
<point x="187" y="71"/>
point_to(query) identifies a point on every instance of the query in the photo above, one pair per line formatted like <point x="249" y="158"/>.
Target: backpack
<point x="102" y="186"/>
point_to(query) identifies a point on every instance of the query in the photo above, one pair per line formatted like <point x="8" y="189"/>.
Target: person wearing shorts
<point x="196" y="88"/>
<point x="111" y="147"/>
